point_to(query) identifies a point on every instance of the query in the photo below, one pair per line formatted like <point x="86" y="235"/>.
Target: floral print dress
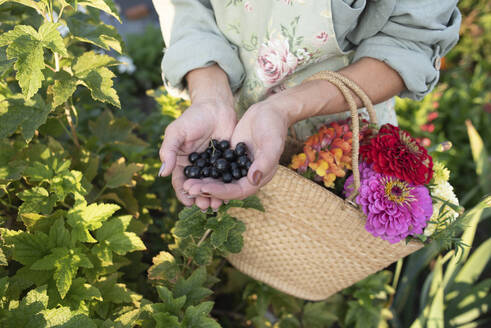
<point x="281" y="43"/>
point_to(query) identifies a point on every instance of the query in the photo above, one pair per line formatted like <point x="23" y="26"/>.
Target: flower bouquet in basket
<point x="403" y="193"/>
<point x="385" y="197"/>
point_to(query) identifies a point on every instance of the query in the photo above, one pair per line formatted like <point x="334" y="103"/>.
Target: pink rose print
<point x="322" y="37"/>
<point x="248" y="6"/>
<point x="275" y="61"/>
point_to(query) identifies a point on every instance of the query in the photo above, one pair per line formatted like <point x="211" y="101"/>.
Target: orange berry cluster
<point x="327" y="154"/>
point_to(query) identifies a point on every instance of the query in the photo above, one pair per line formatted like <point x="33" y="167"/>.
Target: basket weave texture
<point x="309" y="242"/>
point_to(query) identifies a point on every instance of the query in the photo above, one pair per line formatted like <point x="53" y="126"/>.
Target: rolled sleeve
<point x="193" y="40"/>
<point x="412" y="41"/>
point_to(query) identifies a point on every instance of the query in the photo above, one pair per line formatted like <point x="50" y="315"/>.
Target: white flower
<point x="443" y="191"/>
<point x="126" y="65"/>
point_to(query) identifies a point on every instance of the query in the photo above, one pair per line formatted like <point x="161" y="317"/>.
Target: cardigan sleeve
<point x="410" y="36"/>
<point x="193" y="40"/>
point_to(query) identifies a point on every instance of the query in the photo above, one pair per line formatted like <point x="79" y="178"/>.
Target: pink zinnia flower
<point x="394" y="208"/>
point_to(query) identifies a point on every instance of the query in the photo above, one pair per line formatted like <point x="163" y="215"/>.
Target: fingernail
<point x="190" y="197"/>
<point x="215" y="210"/>
<point x="162" y="167"/>
<point x="225" y="201"/>
<point x="256" y="177"/>
<point x="204" y="211"/>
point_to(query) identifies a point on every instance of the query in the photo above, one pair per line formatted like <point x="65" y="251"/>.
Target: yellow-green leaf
<point x="119" y="174"/>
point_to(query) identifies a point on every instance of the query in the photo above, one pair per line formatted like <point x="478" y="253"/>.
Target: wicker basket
<point x="309" y="242"/>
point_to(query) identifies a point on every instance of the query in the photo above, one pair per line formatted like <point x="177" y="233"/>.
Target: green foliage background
<point x="90" y="237"/>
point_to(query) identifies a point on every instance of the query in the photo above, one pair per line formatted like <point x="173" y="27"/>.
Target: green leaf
<point x="67" y="182"/>
<point x="5" y="63"/>
<point x="475" y="265"/>
<point x="103" y="253"/>
<point x="27" y="247"/>
<point x="166" y="320"/>
<point x="4" y="285"/>
<point x="235" y="241"/>
<point x="115" y="292"/>
<point x="38" y="171"/>
<point x="63" y="88"/>
<point x="84" y="218"/>
<point x="289" y="321"/>
<point x="125" y="242"/>
<point x="119" y="174"/>
<point x="48" y="262"/>
<point x="36" y="200"/>
<point x="65" y="270"/>
<point x="480" y="156"/>
<point x="3" y="259"/>
<point x="63" y="317"/>
<point x="39" y="6"/>
<point x="16" y="112"/>
<point x="164" y="267"/>
<point x="203" y="254"/>
<point x="191" y="222"/>
<point x="171" y="304"/>
<point x="90" y="68"/>
<point x="249" y="202"/>
<point x="197" y="316"/>
<point x="51" y="38"/>
<point x="101" y="35"/>
<point x="59" y="236"/>
<point x="26" y="47"/>
<point x="81" y="291"/>
<point x="104" y="5"/>
<point x="192" y="287"/>
<point x="110" y="130"/>
<point x="317" y="315"/>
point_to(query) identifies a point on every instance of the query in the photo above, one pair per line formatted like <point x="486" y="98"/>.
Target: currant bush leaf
<point x="166" y="320"/>
<point x="104" y="5"/>
<point x="5" y="63"/>
<point x="51" y="38"/>
<point x="39" y="6"/>
<point x="170" y="304"/>
<point x="15" y="112"/>
<point x="59" y="236"/>
<point x="197" y="316"/>
<point x="36" y="200"/>
<point x="101" y="35"/>
<point x="119" y="174"/>
<point x="164" y="267"/>
<point x="192" y="287"/>
<point x="63" y="88"/>
<point x="27" y="248"/>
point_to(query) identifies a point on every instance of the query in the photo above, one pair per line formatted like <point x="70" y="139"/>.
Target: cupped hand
<point x="191" y="132"/>
<point x="263" y="128"/>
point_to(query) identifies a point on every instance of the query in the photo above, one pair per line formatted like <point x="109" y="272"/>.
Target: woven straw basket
<point x="310" y="243"/>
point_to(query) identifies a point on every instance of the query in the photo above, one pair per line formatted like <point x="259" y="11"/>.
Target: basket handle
<point x="343" y="83"/>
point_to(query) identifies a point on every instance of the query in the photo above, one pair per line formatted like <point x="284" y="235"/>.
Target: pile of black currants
<point x="219" y="161"/>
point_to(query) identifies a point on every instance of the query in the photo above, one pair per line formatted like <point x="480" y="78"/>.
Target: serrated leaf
<point x="197" y="316"/>
<point x="36" y="200"/>
<point x="249" y="202"/>
<point x="27" y="247"/>
<point x="64" y="317"/>
<point x="15" y="112"/>
<point x="192" y="287"/>
<point x="109" y="130"/>
<point x="203" y="254"/>
<point x="48" y="262"/>
<point x="59" y="236"/>
<point x="63" y="88"/>
<point x="90" y="68"/>
<point x="65" y="270"/>
<point x="125" y="242"/>
<point x="221" y="229"/>
<point x="171" y="304"/>
<point x="3" y="260"/>
<point x="115" y="292"/>
<point x="29" y="54"/>
<point x="119" y="174"/>
<point x="67" y="182"/>
<point x="81" y="291"/>
<point x="103" y="253"/>
<point x="83" y="218"/>
<point x="235" y="241"/>
<point x="164" y="267"/>
<point x="51" y="38"/>
<point x="191" y="222"/>
<point x="317" y="315"/>
<point x="166" y="320"/>
<point x="104" y="5"/>
<point x="4" y="285"/>
<point x="38" y="171"/>
<point x="102" y="35"/>
<point x="114" y="226"/>
<point x="39" y="6"/>
<point x="5" y="63"/>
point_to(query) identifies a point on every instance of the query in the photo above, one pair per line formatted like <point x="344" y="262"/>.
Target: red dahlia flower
<point x="394" y="152"/>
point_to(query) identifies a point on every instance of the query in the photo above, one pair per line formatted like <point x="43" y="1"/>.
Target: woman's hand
<point x="263" y="128"/>
<point x="211" y="116"/>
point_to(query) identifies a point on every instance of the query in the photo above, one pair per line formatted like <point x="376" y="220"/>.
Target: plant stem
<point x="99" y="194"/>
<point x="70" y="123"/>
<point x="205" y="235"/>
<point x="57" y="62"/>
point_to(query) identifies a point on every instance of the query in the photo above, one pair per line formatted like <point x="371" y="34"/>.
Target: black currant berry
<point x="248" y="164"/>
<point x="242" y="160"/>
<point x="243" y="172"/>
<point x="227" y="177"/>
<point x="206" y="172"/>
<point x="204" y="155"/>
<point x="194" y="172"/>
<point x="214" y="143"/>
<point x="236" y="173"/>
<point x="229" y="154"/>
<point x="240" y="149"/>
<point x="201" y="163"/>
<point x="186" y="170"/>
<point x="233" y="166"/>
<point x="222" y="165"/>
<point x="215" y="173"/>
<point x="223" y="145"/>
<point x="193" y="157"/>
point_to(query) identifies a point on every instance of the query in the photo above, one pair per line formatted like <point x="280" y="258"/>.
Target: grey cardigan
<point x="411" y="36"/>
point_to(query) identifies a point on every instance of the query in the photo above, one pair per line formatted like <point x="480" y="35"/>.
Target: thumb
<point x="168" y="151"/>
<point x="264" y="165"/>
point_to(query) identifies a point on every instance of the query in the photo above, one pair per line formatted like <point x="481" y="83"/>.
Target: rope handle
<point x="344" y="85"/>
